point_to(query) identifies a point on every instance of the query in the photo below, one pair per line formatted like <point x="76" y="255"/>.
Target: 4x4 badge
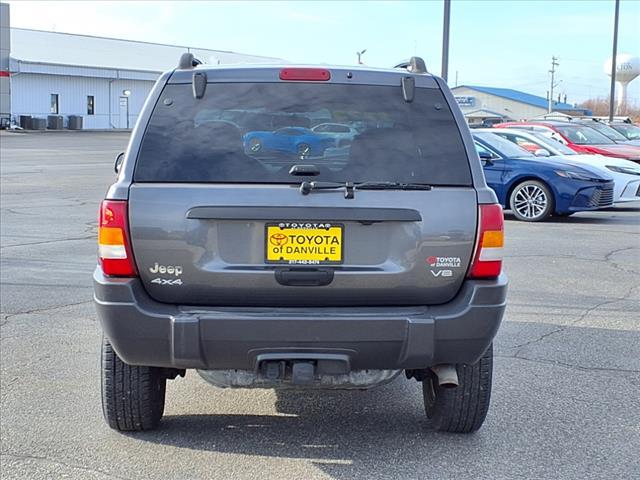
<point x="167" y="281"/>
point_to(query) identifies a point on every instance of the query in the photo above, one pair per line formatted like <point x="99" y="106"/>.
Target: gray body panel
<point x="146" y="332"/>
<point x="385" y="263"/>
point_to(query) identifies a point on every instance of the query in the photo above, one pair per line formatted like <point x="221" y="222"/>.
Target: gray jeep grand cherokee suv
<point x="240" y="242"/>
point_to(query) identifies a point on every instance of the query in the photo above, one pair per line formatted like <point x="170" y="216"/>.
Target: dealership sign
<point x="466" y="101"/>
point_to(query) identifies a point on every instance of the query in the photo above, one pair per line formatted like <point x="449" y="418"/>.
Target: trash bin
<point x="54" y="122"/>
<point x="25" y="122"/>
<point x="38" y="124"/>
<point x="75" y="122"/>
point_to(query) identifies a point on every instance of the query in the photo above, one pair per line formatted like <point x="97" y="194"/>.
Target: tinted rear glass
<point x="607" y="131"/>
<point x="554" y="144"/>
<point x="583" y="135"/>
<point x="503" y="146"/>
<point x="255" y="132"/>
<point x="631" y="132"/>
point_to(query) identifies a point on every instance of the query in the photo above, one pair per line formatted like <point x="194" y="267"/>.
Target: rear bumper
<point x="145" y="332"/>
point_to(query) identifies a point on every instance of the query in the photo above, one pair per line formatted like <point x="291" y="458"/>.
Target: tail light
<point x="487" y="261"/>
<point x="114" y="246"/>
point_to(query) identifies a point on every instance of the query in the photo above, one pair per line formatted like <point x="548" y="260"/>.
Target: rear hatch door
<point x="222" y="214"/>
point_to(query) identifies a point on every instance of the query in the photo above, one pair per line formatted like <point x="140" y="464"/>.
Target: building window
<point x="54" y="103"/>
<point x="90" y="105"/>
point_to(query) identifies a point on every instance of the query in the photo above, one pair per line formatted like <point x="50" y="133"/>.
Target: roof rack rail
<point x="414" y="65"/>
<point x="188" y="61"/>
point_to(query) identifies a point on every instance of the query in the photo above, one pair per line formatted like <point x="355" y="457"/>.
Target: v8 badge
<point x="441" y="273"/>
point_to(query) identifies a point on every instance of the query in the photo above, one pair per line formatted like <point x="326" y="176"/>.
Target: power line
<point x="584" y="60"/>
<point x="518" y="85"/>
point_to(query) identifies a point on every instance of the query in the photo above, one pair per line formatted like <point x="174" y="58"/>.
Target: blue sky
<point x="494" y="43"/>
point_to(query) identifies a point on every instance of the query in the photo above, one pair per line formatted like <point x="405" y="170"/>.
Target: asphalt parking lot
<point x="566" y="398"/>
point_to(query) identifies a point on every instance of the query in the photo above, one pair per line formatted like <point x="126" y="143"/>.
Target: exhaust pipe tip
<point x="447" y="375"/>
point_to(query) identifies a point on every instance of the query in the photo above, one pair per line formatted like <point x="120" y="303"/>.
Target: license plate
<point x="304" y="243"/>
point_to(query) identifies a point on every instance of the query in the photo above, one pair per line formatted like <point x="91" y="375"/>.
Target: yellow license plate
<point x="314" y="243"/>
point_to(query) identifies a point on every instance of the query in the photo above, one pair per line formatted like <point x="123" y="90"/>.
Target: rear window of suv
<point x="255" y="132"/>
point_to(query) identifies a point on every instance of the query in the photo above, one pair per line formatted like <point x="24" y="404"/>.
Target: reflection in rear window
<point x="255" y="132"/>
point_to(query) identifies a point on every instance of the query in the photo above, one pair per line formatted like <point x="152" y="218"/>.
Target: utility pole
<point x="612" y="96"/>
<point x="444" y="71"/>
<point x="554" y="64"/>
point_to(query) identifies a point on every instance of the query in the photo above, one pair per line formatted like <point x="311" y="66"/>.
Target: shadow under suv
<point x="334" y="269"/>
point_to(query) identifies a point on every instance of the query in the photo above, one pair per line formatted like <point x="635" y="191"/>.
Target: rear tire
<point x="531" y="201"/>
<point x="132" y="396"/>
<point x="461" y="409"/>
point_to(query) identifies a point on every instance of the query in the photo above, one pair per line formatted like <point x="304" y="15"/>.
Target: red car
<point x="578" y="137"/>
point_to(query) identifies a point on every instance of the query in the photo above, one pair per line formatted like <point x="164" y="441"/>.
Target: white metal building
<point x="480" y="104"/>
<point x="5" y="96"/>
<point x="104" y="80"/>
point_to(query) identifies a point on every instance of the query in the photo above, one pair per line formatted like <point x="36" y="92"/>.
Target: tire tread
<point x="462" y="409"/>
<point x="132" y="396"/>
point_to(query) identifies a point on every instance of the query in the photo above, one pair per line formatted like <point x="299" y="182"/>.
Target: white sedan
<point x="343" y="134"/>
<point x="625" y="173"/>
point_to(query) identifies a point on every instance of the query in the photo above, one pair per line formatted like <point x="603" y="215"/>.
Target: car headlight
<point x="574" y="175"/>
<point x="628" y="171"/>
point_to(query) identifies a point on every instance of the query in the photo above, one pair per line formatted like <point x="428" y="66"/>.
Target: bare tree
<point x="600" y="108"/>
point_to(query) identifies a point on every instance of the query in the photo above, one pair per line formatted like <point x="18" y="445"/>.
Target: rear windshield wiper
<point x="307" y="187"/>
<point x="391" y="186"/>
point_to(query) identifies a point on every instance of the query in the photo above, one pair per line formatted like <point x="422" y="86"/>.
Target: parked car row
<point x="626" y="174"/>
<point x="608" y="131"/>
<point x="534" y="189"/>
<point x="579" y="137"/>
<point x="545" y="168"/>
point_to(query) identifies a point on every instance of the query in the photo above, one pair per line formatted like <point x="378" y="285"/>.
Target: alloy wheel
<point x="530" y="201"/>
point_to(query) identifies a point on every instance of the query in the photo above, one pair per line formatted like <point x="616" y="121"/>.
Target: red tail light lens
<point x="487" y="261"/>
<point x="305" y="74"/>
<point x="114" y="246"/>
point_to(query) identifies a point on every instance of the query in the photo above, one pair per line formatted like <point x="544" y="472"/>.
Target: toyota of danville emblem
<point x="439" y="262"/>
<point x="278" y="239"/>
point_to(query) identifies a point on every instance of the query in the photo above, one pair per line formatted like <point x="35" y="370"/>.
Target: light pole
<point x="444" y="71"/>
<point x="126" y="94"/>
<point x="359" y="54"/>
<point x="612" y="95"/>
